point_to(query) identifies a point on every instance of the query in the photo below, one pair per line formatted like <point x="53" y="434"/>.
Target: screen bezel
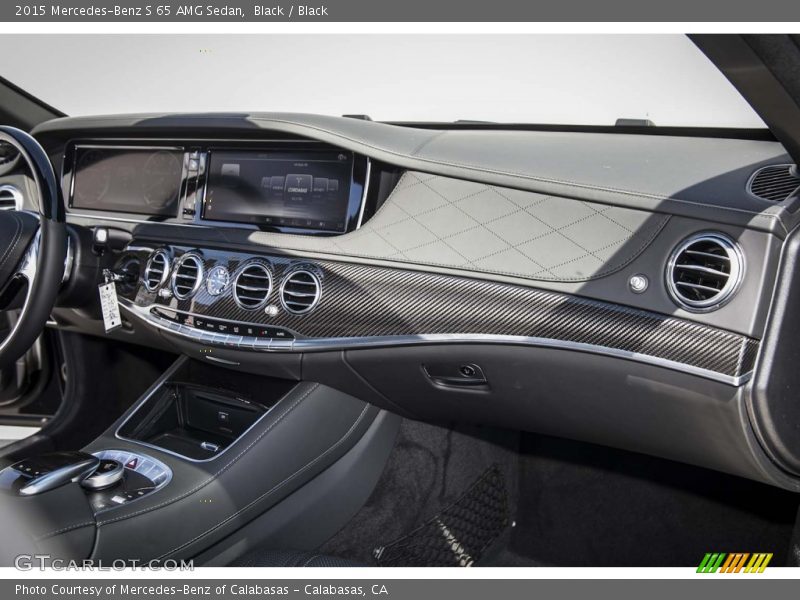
<point x="72" y="167"/>
<point x="355" y="198"/>
<point x="193" y="184"/>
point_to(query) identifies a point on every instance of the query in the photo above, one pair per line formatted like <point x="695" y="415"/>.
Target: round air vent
<point x="156" y="271"/>
<point x="10" y="198"/>
<point x="8" y="157"/>
<point x="252" y="286"/>
<point x="300" y="292"/>
<point x="704" y="271"/>
<point x="187" y="276"/>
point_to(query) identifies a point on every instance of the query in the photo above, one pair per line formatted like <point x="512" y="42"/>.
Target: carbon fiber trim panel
<point x="365" y="301"/>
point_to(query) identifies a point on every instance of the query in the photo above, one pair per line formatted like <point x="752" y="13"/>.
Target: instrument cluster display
<point x="143" y="180"/>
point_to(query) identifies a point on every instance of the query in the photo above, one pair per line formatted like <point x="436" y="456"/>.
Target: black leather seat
<point x="290" y="558"/>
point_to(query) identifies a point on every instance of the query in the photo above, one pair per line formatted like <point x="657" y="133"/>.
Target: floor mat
<point x="585" y="505"/>
<point x="429" y="470"/>
<point x="460" y="534"/>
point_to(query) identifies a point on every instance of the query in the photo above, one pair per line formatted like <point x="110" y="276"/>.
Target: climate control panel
<point x="233" y="329"/>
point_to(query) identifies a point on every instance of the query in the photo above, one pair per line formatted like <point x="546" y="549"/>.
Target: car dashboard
<point x="627" y="290"/>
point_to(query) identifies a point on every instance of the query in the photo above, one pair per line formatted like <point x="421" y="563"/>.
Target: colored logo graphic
<point x="738" y="562"/>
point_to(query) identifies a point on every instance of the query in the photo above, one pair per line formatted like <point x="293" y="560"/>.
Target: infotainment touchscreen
<point x="309" y="189"/>
<point x="134" y="180"/>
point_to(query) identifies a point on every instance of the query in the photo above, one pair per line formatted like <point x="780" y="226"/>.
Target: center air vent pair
<point x="704" y="271"/>
<point x="300" y="290"/>
<point x="186" y="278"/>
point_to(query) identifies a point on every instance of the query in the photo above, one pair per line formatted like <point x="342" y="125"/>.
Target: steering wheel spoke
<point x="27" y="266"/>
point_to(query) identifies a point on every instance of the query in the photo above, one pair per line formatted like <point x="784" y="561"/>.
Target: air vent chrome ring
<point x="254" y="290"/>
<point x="11" y="198"/>
<point x="181" y="286"/>
<point x="156" y="271"/>
<point x="704" y="271"/>
<point x="301" y="291"/>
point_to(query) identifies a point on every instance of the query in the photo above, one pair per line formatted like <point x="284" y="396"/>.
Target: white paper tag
<point x="109" y="306"/>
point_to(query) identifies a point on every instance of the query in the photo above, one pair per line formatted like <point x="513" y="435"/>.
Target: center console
<point x="205" y="451"/>
<point x="200" y="411"/>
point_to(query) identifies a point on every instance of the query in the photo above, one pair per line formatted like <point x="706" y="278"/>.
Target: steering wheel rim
<point x="43" y="260"/>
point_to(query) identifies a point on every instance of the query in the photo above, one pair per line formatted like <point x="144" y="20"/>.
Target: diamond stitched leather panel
<point x="444" y="222"/>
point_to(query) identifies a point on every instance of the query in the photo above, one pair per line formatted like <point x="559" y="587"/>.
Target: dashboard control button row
<point x="234" y="331"/>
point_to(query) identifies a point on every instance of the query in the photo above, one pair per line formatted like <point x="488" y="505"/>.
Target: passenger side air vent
<point x="156" y="271"/>
<point x="300" y="292"/>
<point x="10" y="198"/>
<point x="774" y="183"/>
<point x="704" y="271"/>
<point x="252" y="286"/>
<point x="187" y="276"/>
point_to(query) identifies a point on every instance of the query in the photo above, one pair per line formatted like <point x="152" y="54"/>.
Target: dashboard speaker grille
<point x="252" y="286"/>
<point x="300" y="292"/>
<point x="704" y="271"/>
<point x="774" y="183"/>
<point x="187" y="276"/>
<point x="156" y="271"/>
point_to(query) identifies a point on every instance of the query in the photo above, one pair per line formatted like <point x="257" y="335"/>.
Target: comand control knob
<point x="109" y="473"/>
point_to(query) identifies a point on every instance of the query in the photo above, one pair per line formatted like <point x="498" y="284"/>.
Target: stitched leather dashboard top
<point x="446" y="222"/>
<point x="696" y="177"/>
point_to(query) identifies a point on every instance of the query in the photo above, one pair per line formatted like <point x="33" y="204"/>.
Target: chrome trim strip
<point x="223" y="361"/>
<point x="134" y="248"/>
<point x="103" y="217"/>
<point x="350" y="343"/>
<point x="364" y="194"/>
<point x="68" y="261"/>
